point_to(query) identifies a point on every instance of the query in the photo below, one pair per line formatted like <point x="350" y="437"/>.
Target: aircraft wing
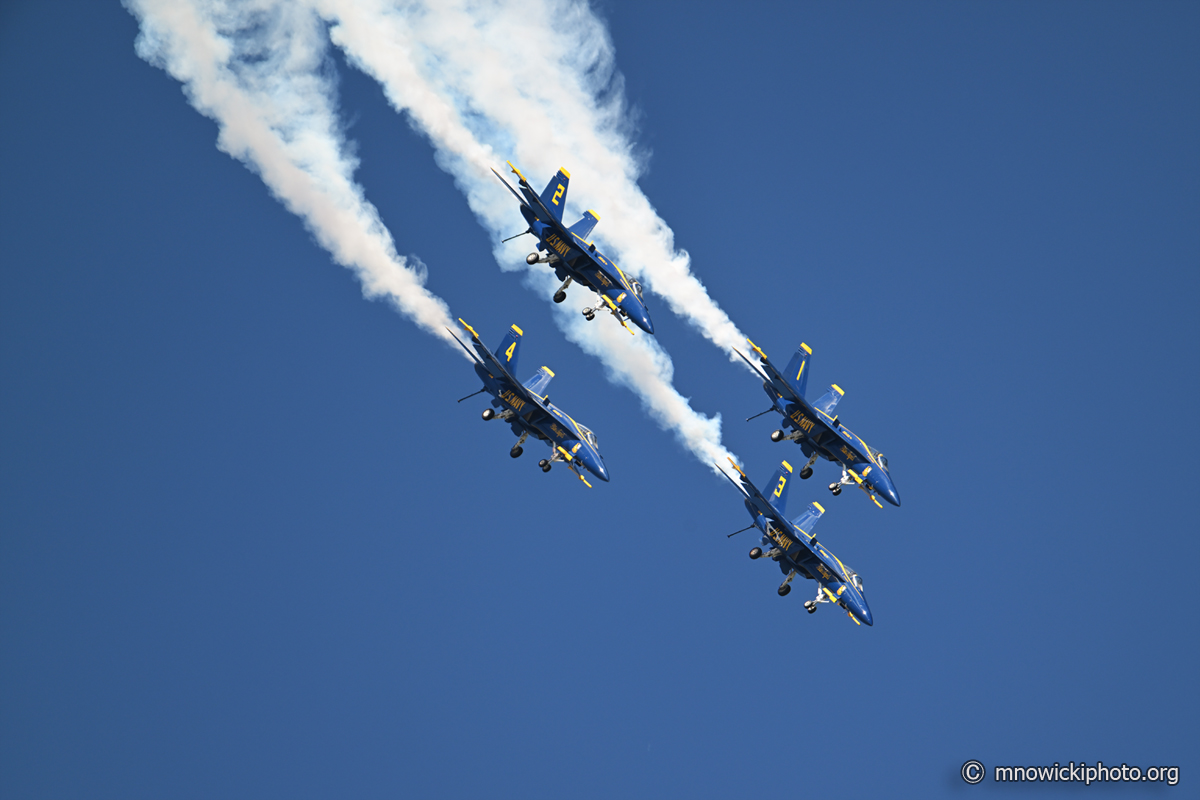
<point x="772" y="376"/>
<point x="515" y="193"/>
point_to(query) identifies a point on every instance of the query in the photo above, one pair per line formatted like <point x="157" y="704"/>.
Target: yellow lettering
<point x="779" y="488"/>
<point x="557" y="194"/>
<point x="508" y="353"/>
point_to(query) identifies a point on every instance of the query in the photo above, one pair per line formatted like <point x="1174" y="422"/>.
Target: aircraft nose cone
<point x="598" y="469"/>
<point x="892" y="496"/>
<point x="865" y="616"/>
<point x="642" y="320"/>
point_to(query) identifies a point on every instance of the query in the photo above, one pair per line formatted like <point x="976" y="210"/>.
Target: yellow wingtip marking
<point x="820" y="507"/>
<point x="756" y="349"/>
<point x="594" y="214"/>
<point x="518" y="330"/>
<point x="563" y="170"/>
<point x="549" y="371"/>
<point x="787" y="466"/>
<point x="806" y="348"/>
<point x="838" y="389"/>
<point x="468" y="327"/>
<point x="516" y="171"/>
<point x="735" y="466"/>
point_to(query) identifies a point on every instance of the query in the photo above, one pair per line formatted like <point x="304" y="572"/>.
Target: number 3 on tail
<point x="779" y="488"/>
<point x="557" y="194"/>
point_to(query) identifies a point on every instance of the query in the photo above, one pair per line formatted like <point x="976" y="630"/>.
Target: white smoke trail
<point x="535" y="83"/>
<point x="261" y="71"/>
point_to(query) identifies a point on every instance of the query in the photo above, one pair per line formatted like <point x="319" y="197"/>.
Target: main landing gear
<point x="517" y="449"/>
<point x="806" y="470"/>
<point x="488" y="413"/>
<point x="785" y="588"/>
<point x="561" y="294"/>
<point x="756" y="553"/>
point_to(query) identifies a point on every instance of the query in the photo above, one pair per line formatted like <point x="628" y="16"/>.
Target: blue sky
<point x="250" y="545"/>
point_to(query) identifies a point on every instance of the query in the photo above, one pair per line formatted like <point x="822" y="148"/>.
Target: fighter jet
<point x="527" y="408"/>
<point x="817" y="429"/>
<point x="572" y="257"/>
<point x="793" y="546"/>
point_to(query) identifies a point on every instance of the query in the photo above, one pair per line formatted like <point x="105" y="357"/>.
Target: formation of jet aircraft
<point x="814" y="426"/>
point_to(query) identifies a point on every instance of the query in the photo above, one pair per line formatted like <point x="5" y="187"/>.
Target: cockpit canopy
<point x="855" y="579"/>
<point x="880" y="458"/>
<point x="637" y="288"/>
<point x="590" y="438"/>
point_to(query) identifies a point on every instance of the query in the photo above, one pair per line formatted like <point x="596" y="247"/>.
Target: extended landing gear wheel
<point x="783" y="590"/>
<point x="806" y="473"/>
<point x="545" y="465"/>
<point x="589" y="315"/>
<point x="516" y="452"/>
<point x="776" y="436"/>
<point x="810" y="606"/>
<point x="488" y="413"/>
<point x="559" y="296"/>
<point x="756" y="553"/>
<point x="836" y="489"/>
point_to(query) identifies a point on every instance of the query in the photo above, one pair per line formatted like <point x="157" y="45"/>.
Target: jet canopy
<point x="589" y="437"/>
<point x="637" y="289"/>
<point x="879" y="457"/>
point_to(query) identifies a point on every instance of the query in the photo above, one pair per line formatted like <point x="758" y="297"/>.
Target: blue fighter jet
<point x="528" y="410"/>
<point x="817" y="430"/>
<point x="792" y="545"/>
<point x="573" y="258"/>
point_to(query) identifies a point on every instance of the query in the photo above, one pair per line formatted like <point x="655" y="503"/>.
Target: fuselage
<point x="579" y="260"/>
<point x="573" y="442"/>
<point x="833" y="441"/>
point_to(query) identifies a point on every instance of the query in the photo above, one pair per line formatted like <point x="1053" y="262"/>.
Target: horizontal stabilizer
<point x="554" y="196"/>
<point x="828" y="401"/>
<point x="585" y="225"/>
<point x="808" y="520"/>
<point x="540" y="380"/>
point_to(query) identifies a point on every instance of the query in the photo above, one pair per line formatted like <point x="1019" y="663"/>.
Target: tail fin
<point x="540" y="380"/>
<point x="828" y="401"/>
<point x="777" y="488"/>
<point x="795" y="372"/>
<point x="585" y="225"/>
<point x="554" y="197"/>
<point x="509" y="349"/>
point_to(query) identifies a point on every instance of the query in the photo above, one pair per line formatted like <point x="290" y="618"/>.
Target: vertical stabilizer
<point x="797" y="370"/>
<point x="509" y="349"/>
<point x="777" y="489"/>
<point x="555" y="195"/>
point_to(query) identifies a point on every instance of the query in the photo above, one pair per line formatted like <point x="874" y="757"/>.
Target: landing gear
<point x="516" y="448"/>
<point x="756" y="553"/>
<point x="810" y="606"/>
<point x="805" y="473"/>
<point x="545" y="465"/>
<point x="589" y="314"/>
<point x="488" y="413"/>
<point x="846" y="480"/>
<point x="561" y="294"/>
<point x="777" y="436"/>
<point x="836" y="488"/>
<point x="784" y="589"/>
